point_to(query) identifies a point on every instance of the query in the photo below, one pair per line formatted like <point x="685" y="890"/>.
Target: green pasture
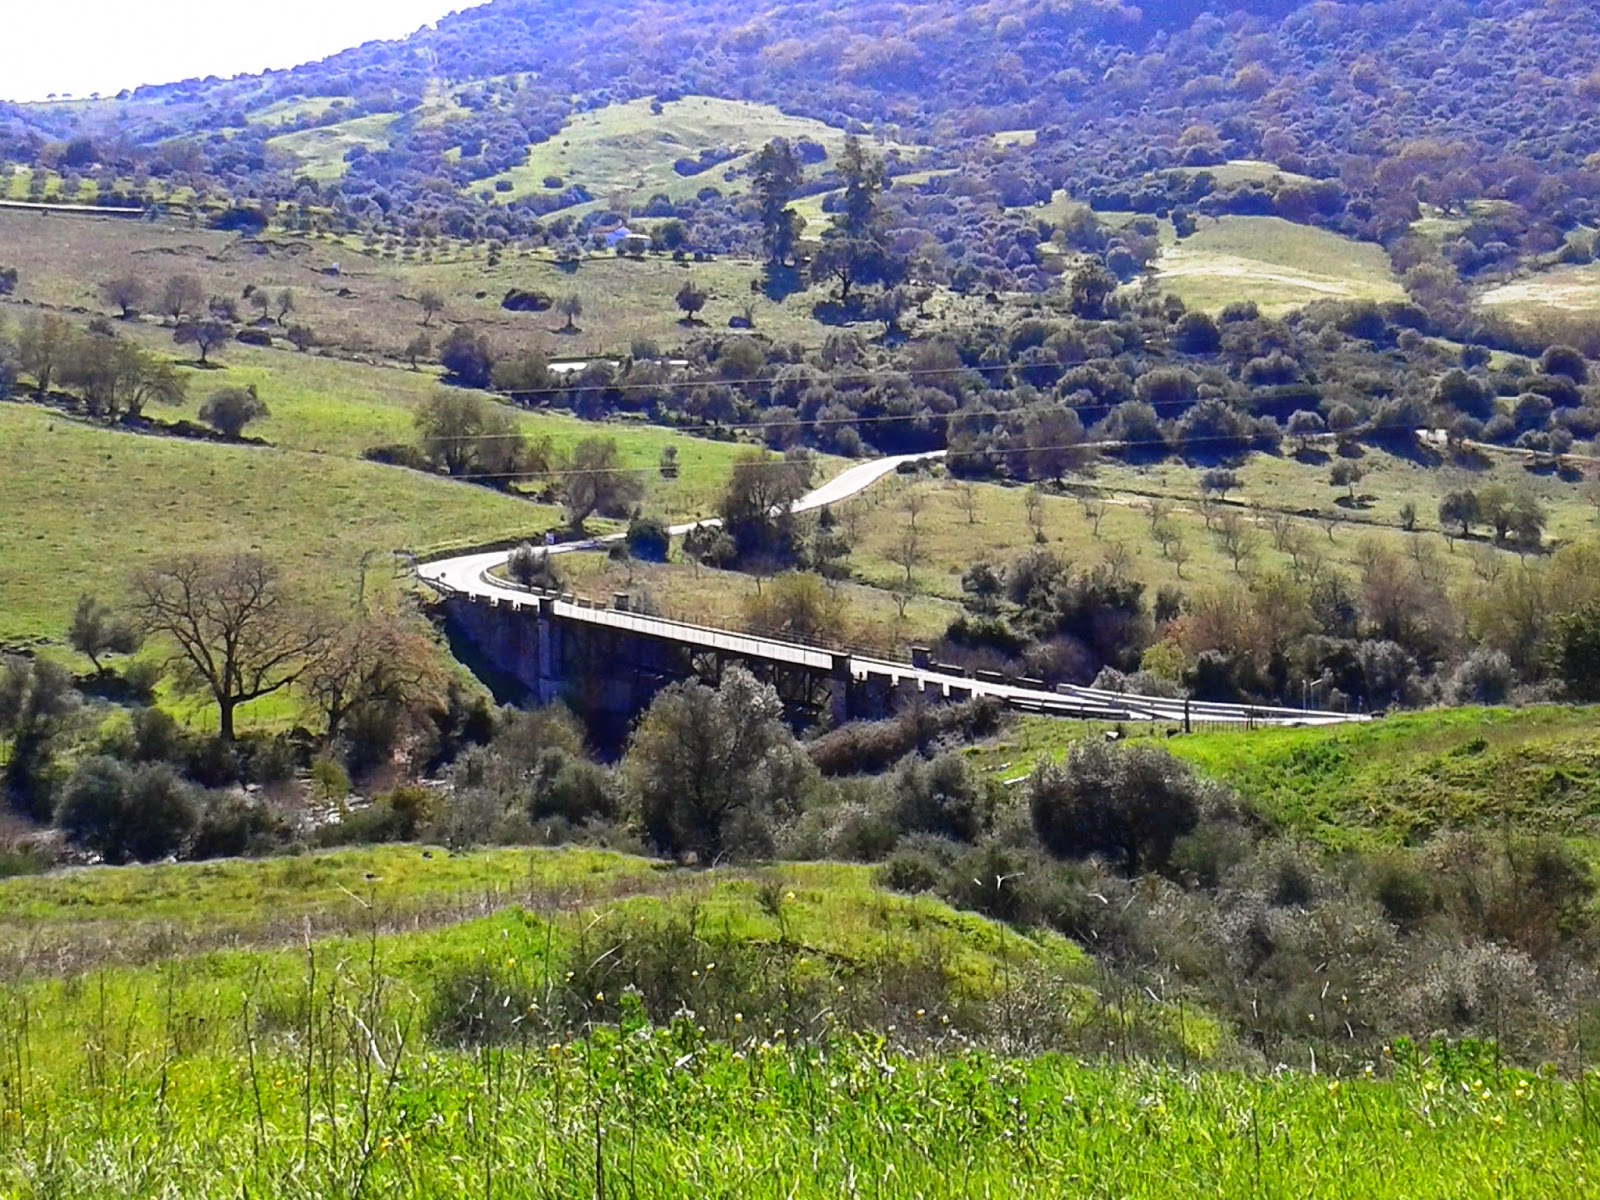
<point x="321" y="151"/>
<point x="1394" y="781"/>
<point x="1276" y="263"/>
<point x="821" y="1047"/>
<point x="1273" y="489"/>
<point x="625" y="152"/>
<point x="98" y="504"/>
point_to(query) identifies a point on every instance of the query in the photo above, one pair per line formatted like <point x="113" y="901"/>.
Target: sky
<point x="86" y="46"/>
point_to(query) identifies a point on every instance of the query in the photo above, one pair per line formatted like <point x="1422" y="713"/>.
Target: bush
<point x="1129" y="805"/>
<point x="942" y="797"/>
<point x="648" y="539"/>
<point x="231" y="825"/>
<point x="1484" y="677"/>
<point x="872" y="746"/>
<point x="920" y="863"/>
<point x="122" y="813"/>
<point x="534" y="568"/>
<point x="401" y="816"/>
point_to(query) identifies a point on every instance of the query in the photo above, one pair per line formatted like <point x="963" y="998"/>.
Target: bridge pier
<point x="839" y="691"/>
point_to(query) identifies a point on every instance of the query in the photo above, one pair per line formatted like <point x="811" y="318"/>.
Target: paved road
<point x="466" y="573"/>
<point x="469" y="575"/>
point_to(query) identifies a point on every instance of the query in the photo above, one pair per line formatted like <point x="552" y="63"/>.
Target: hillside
<point x="623" y="1025"/>
<point x="1337" y="111"/>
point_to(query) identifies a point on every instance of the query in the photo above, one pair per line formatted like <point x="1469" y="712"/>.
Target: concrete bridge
<point x="609" y="663"/>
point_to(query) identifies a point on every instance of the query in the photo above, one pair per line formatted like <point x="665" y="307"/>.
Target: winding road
<point x="470" y="575"/>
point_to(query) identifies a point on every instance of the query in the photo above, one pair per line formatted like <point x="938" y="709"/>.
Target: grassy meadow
<point x="606" y="1026"/>
<point x="1562" y="291"/>
<point x="368" y="306"/>
<point x="997" y="529"/>
<point x="321" y="151"/>
<point x="1278" y="264"/>
<point x="1388" y="783"/>
<point x="99" y="504"/>
<point x="626" y="151"/>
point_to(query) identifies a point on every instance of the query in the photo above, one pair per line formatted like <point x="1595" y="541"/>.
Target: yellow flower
<point x="738" y="1018"/>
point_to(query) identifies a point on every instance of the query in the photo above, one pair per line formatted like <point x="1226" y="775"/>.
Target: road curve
<point x="467" y="572"/>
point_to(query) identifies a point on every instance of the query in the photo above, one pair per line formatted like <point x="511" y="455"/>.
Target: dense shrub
<point x="123" y="813"/>
<point x="1130" y="805"/>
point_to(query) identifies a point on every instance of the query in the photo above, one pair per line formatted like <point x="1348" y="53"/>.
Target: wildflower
<point x="738" y="1018"/>
<point x="921" y="1014"/>
<point x="599" y="997"/>
<point x="1333" y="1088"/>
<point x="789" y="896"/>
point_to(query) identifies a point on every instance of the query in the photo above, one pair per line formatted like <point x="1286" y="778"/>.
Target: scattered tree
<point x="432" y="304"/>
<point x="594" y="479"/>
<point x="691" y="300"/>
<point x="183" y="297"/>
<point x="418" y="348"/>
<point x="239" y="634"/>
<point x="125" y="293"/>
<point x="204" y="336"/>
<point x="228" y="410"/>
<point x="97" y="631"/>
<point x="1346" y="474"/>
<point x="775" y="177"/>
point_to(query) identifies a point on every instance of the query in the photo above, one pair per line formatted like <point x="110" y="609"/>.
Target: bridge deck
<point x="1081" y="703"/>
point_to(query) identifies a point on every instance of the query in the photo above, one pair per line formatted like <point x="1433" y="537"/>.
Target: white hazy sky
<point x="86" y="46"/>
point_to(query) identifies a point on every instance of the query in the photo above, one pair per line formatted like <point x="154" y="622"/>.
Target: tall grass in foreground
<point x="714" y="1052"/>
<point x="340" y="1109"/>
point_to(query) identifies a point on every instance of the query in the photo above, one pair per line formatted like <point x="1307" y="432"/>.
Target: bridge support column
<point x="839" y="692"/>
<point x="549" y="689"/>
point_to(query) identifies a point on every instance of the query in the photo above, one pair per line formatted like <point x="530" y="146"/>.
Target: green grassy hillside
<point x="613" y="1027"/>
<point x="1393" y="781"/>
<point x="88" y="506"/>
<point x="1279" y="265"/>
<point x="628" y="150"/>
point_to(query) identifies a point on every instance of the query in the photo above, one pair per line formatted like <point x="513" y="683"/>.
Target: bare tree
<point x="125" y="293"/>
<point x="1156" y="510"/>
<point x="382" y="662"/>
<point x="913" y="501"/>
<point x="1330" y="521"/>
<point x="418" y="347"/>
<point x="1282" y="526"/>
<point x="906" y="553"/>
<point x="901" y="594"/>
<point x="432" y="305"/>
<point x="967" y="497"/>
<point x="1094" y="511"/>
<point x="239" y="634"/>
<point x="1177" y="552"/>
<point x="1033" y="509"/>
<point x="1119" y="558"/>
<point x="183" y="297"/>
<point x="1235" y="539"/>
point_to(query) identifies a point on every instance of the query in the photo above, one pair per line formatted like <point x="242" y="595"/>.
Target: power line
<point x="1090" y="447"/>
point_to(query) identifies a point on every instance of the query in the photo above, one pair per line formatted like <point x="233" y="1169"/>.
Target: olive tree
<point x="710" y="769"/>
